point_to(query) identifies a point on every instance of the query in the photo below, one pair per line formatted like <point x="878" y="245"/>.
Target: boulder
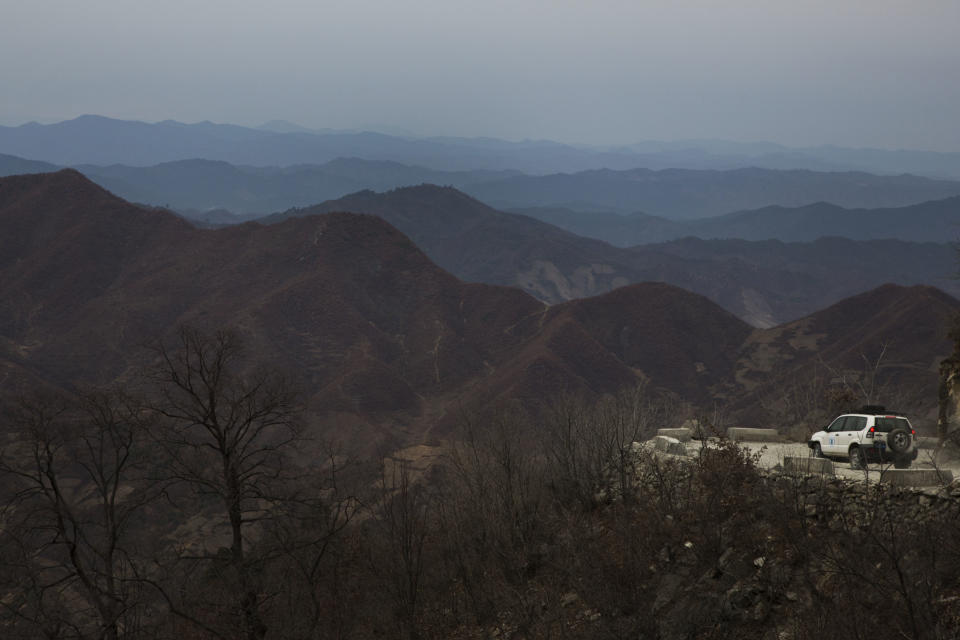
<point x="683" y="435"/>
<point x="666" y="444"/>
<point x="796" y="465"/>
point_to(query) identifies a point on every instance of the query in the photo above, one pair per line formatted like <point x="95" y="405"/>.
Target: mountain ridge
<point x="389" y="347"/>
<point x="764" y="282"/>
<point x="929" y="221"/>
<point x="674" y="194"/>
<point x="683" y="194"/>
<point x="92" y="139"/>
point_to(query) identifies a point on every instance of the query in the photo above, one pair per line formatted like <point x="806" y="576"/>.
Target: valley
<point x="379" y="334"/>
<point x="479" y="320"/>
<point x="763" y="282"/>
<point x="392" y="409"/>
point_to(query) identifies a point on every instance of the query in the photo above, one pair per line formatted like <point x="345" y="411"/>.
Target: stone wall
<point x="818" y="535"/>
<point x="825" y="497"/>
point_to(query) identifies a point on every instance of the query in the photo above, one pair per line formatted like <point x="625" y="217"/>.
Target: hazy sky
<point x="801" y="72"/>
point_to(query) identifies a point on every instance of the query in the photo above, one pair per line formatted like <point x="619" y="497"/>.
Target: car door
<point x="831" y="444"/>
<point x="850" y="434"/>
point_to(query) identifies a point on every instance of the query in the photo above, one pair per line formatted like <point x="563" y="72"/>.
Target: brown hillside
<point x="370" y="328"/>
<point x="678" y="339"/>
<point x="902" y="328"/>
<point x="764" y="283"/>
<point x="379" y="338"/>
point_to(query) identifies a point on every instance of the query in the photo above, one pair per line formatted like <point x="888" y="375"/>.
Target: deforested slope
<point x="764" y="283"/>
<point x="373" y="331"/>
<point x="385" y="345"/>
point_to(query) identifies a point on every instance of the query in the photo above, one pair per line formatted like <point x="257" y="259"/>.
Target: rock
<point x="668" y="589"/>
<point x="916" y="477"/>
<point x="724" y="559"/>
<point x="683" y="435"/>
<point x="669" y="445"/>
<point x="760" y="610"/>
<point x="795" y="465"/>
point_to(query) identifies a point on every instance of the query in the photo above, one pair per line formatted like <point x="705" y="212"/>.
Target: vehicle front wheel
<point x="816" y="451"/>
<point x="857" y="459"/>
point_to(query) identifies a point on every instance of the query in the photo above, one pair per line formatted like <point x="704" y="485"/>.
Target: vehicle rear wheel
<point x="857" y="459"/>
<point x="816" y="451"/>
<point x="898" y="440"/>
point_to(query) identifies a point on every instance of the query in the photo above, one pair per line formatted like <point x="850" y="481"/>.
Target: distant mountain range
<point x="103" y="141"/>
<point x="932" y="221"/>
<point x="686" y="194"/>
<point x="765" y="283"/>
<point x="206" y="184"/>
<point x="97" y="140"/>
<point x="202" y="185"/>
<point x="387" y="347"/>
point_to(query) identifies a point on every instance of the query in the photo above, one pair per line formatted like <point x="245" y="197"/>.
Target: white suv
<point x="875" y="435"/>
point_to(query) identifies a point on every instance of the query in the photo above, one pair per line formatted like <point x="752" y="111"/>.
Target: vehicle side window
<point x="855" y="423"/>
<point x="837" y="425"/>
<point x="886" y="425"/>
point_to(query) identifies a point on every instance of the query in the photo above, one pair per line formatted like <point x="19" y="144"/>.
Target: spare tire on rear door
<point x="898" y="440"/>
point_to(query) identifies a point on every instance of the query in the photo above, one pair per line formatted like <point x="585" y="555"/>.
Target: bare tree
<point x="949" y="387"/>
<point x="493" y="512"/>
<point x="400" y="518"/>
<point x="226" y="429"/>
<point x="866" y="382"/>
<point x="74" y="482"/>
<point x="311" y="586"/>
<point x="576" y="456"/>
<point x="632" y="415"/>
<point x="589" y="445"/>
<point x="800" y="399"/>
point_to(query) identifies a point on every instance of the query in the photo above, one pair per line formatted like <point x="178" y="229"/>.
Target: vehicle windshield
<point x="886" y="425"/>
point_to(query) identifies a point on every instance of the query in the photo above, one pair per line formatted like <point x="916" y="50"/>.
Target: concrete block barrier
<point x="916" y="477"/>
<point x="795" y="465"/>
<point x="669" y="445"/>
<point x="683" y="435"/>
<point x="697" y="431"/>
<point x="743" y="434"/>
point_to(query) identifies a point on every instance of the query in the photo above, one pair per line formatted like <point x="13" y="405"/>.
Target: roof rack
<point x="878" y="409"/>
<point x="873" y="408"/>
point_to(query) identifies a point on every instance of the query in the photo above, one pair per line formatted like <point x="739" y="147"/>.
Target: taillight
<point x="870" y="433"/>
<point x="913" y="432"/>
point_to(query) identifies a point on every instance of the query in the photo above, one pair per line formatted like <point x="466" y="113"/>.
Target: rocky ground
<point x="773" y="453"/>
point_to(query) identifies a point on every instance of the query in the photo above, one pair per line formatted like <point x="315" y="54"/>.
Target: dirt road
<point x="773" y="453"/>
